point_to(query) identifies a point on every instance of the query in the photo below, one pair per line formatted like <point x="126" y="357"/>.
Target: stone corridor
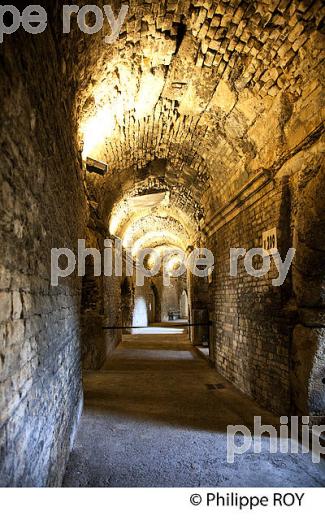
<point x="198" y="132"/>
<point x="151" y="421"/>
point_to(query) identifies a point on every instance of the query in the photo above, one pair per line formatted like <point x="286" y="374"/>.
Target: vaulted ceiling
<point x="194" y="98"/>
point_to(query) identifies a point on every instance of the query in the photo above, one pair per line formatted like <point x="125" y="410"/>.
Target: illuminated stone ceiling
<point x="196" y="97"/>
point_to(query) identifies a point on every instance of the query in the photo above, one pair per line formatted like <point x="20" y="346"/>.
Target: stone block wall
<point x="101" y="304"/>
<point x="42" y="207"/>
<point x="307" y="185"/>
<point x="253" y="322"/>
<point x="200" y="305"/>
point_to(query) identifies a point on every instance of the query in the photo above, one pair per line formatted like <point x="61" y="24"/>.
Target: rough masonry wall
<point x="42" y="207"/>
<point x="270" y="341"/>
<point x="307" y="185"/>
<point x="101" y="299"/>
<point x="252" y="326"/>
<point x="260" y="366"/>
<point x="200" y="304"/>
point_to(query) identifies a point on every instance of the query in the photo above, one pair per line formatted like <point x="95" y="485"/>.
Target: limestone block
<point x="15" y="332"/>
<point x="17" y="306"/>
<point x="5" y="306"/>
<point x="224" y="98"/>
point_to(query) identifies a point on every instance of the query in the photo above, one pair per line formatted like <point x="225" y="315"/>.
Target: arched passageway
<point x="184" y="306"/>
<point x="155" y="305"/>
<point x="199" y="127"/>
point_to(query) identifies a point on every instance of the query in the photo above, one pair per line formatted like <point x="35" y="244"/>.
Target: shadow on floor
<point x="151" y="420"/>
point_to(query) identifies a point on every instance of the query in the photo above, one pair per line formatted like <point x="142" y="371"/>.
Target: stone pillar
<point x="308" y="346"/>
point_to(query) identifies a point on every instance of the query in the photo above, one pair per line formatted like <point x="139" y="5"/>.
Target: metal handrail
<point x="180" y="325"/>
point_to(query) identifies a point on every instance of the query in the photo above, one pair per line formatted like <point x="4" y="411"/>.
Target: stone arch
<point x="184" y="305"/>
<point x="156" y="310"/>
<point x="140" y="314"/>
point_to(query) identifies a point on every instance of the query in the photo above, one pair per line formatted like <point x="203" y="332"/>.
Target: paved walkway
<point x="151" y="420"/>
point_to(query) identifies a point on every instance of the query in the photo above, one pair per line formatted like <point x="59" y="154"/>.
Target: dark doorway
<point x="155" y="310"/>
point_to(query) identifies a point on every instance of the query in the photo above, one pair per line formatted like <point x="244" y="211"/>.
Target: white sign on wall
<point x="270" y="241"/>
